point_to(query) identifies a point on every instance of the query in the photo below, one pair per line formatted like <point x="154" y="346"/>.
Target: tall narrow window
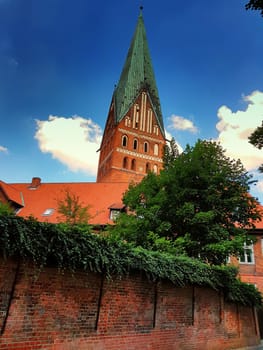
<point x="146" y="147"/>
<point x="133" y="164"/>
<point x="124" y="141"/>
<point x="155" y="169"/>
<point x="147" y="168"/>
<point x="136" y="117"/>
<point x="127" y="121"/>
<point x="155" y="129"/>
<point x="248" y="255"/>
<point x="135" y="144"/>
<point x="125" y="163"/>
<point x="156" y="149"/>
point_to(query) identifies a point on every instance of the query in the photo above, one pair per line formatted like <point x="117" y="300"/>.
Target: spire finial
<point x="141" y="8"/>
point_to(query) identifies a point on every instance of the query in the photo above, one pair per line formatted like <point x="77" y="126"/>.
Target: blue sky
<point x="59" y="61"/>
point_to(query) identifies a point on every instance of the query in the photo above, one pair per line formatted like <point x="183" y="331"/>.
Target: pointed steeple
<point x="137" y="74"/>
<point x="133" y="138"/>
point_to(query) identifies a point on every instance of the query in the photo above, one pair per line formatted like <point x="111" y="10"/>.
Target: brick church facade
<point x="134" y="134"/>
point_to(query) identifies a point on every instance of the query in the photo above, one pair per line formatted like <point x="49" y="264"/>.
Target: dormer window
<point x="115" y="210"/>
<point x="48" y="212"/>
<point x="114" y="213"/>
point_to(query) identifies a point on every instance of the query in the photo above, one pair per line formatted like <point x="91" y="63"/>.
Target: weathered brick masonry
<point x="52" y="310"/>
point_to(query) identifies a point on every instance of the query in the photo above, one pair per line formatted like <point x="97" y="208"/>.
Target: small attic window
<point x="48" y="212"/>
<point x="115" y="210"/>
<point x="114" y="213"/>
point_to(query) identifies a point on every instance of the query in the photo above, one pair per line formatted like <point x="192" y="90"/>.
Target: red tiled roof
<point x="11" y="193"/>
<point x="259" y="224"/>
<point x="98" y="196"/>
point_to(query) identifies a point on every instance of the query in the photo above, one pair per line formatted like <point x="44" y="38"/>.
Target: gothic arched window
<point x="133" y="164"/>
<point x="125" y="163"/>
<point x="147" y="168"/>
<point x="135" y="144"/>
<point x="124" y="141"/>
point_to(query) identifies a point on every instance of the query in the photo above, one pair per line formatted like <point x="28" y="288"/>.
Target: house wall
<point x="253" y="272"/>
<point x="60" y="311"/>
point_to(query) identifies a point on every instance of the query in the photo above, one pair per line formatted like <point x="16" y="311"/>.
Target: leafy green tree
<point x="170" y="152"/>
<point x="255" y="5"/>
<point x="71" y="210"/>
<point x="5" y="209"/>
<point x="200" y="203"/>
<point x="256" y="139"/>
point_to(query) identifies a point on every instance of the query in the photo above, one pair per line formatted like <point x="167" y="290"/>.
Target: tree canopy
<point x="255" y="5"/>
<point x="256" y="139"/>
<point x="71" y="210"/>
<point x="198" y="206"/>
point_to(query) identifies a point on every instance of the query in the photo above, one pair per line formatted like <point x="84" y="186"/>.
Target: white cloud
<point x="235" y="128"/>
<point x="169" y="137"/>
<point x="73" y="141"/>
<point x="256" y="189"/>
<point x="3" y="149"/>
<point x="181" y="123"/>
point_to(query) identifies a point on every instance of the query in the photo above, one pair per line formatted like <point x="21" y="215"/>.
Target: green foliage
<point x="256" y="138"/>
<point x="75" y="247"/>
<point x="71" y="210"/>
<point x="5" y="209"/>
<point x="170" y="152"/>
<point x="255" y="5"/>
<point x="200" y="201"/>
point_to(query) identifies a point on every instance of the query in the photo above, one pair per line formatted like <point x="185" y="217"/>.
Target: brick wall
<point x="60" y="311"/>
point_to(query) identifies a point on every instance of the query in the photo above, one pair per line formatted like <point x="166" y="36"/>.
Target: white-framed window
<point x="248" y="255"/>
<point x="114" y="213"/>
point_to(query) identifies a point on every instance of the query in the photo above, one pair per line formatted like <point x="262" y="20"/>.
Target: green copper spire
<point x="137" y="74"/>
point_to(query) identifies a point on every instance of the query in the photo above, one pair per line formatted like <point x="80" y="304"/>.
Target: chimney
<point x="36" y="181"/>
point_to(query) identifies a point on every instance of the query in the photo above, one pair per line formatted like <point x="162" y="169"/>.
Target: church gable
<point x="134" y="135"/>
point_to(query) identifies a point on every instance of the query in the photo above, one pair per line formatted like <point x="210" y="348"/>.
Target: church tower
<point x="134" y="136"/>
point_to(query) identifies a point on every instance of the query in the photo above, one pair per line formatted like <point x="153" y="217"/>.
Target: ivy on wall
<point x="76" y="247"/>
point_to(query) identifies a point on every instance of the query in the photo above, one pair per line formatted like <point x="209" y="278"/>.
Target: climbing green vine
<point x="75" y="247"/>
